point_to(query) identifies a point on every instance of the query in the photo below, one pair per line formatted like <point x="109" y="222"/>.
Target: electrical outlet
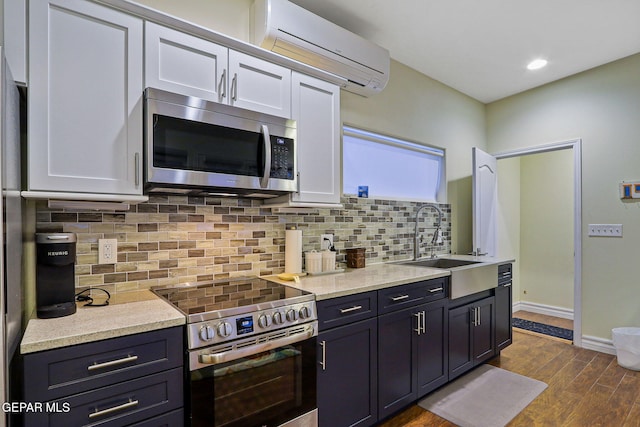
<point x="107" y="251"/>
<point x="605" y="230"/>
<point x="326" y="241"/>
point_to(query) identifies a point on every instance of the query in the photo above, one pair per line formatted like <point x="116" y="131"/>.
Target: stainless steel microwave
<point x="194" y="146"/>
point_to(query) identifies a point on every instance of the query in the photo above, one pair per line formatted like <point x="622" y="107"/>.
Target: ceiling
<point x="482" y="47"/>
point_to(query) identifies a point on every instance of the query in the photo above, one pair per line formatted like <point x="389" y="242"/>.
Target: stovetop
<point x="214" y="299"/>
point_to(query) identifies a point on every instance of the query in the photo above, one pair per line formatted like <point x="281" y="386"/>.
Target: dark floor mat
<point x="541" y="328"/>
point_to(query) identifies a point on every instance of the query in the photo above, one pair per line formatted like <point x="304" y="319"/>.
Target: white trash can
<point x="627" y="344"/>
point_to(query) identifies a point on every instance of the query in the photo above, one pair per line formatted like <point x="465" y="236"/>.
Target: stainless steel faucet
<point x="416" y="243"/>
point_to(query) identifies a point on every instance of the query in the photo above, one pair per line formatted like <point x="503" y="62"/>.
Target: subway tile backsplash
<point x="175" y="239"/>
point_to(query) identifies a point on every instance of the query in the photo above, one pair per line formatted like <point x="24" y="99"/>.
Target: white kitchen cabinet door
<point x="184" y="64"/>
<point x="259" y="85"/>
<point x="85" y="99"/>
<point x="316" y="109"/>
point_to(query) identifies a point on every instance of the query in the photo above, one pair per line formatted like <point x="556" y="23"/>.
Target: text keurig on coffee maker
<point x="55" y="273"/>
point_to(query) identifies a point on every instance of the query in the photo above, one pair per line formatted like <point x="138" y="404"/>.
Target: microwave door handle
<point x="264" y="181"/>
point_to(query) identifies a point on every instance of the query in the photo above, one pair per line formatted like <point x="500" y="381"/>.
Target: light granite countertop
<point x="356" y="280"/>
<point x="373" y="277"/>
<point x="127" y="314"/>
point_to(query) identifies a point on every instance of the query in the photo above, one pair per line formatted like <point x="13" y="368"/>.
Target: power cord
<point x="82" y="297"/>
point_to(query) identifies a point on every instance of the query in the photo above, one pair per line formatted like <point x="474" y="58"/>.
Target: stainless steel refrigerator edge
<point x="11" y="248"/>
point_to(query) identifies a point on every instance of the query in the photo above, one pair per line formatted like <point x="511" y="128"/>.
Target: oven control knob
<point x="264" y="321"/>
<point x="278" y="319"/>
<point x="305" y="313"/>
<point x="224" y="329"/>
<point x="292" y="315"/>
<point x="206" y="333"/>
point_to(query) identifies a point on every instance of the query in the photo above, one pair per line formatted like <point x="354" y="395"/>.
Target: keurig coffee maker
<point x="55" y="272"/>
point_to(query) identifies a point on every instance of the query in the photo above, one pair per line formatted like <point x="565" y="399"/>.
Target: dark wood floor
<point x="585" y="387"/>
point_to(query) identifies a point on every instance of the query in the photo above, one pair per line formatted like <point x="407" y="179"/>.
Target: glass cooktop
<point x="230" y="296"/>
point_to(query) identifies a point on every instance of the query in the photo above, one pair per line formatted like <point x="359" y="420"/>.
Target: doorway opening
<point x="548" y="224"/>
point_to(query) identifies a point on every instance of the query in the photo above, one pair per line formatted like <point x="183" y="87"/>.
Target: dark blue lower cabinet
<point x="412" y="350"/>
<point x="471" y="335"/>
<point x="347" y="375"/>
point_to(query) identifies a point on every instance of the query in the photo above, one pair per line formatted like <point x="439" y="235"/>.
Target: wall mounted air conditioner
<point x="294" y="32"/>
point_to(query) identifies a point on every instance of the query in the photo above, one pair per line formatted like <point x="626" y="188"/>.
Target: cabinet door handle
<point x="434" y="290"/>
<point x="418" y="322"/>
<point x="234" y="87"/>
<point x="223" y="84"/>
<point x="424" y="322"/>
<point x="475" y="316"/>
<point x="128" y="405"/>
<point x="323" y="362"/>
<point x="136" y="171"/>
<point x="111" y="363"/>
<point x="349" y="310"/>
<point x="399" y="298"/>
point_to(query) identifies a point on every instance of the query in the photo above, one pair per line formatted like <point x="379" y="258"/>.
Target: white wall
<point x="508" y="221"/>
<point x="230" y="17"/>
<point x="602" y="107"/>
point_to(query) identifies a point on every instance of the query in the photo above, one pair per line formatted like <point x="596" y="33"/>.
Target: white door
<point x="485" y="202"/>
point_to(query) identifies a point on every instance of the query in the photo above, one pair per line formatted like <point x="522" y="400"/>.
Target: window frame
<point x="398" y="142"/>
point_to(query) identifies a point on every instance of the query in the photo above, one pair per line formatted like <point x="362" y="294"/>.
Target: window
<point x="391" y="168"/>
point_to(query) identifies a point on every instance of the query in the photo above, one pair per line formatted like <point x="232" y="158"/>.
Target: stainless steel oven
<point x="251" y="353"/>
<point x="196" y="146"/>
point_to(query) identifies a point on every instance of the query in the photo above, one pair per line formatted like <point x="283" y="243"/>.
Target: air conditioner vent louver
<point x="291" y="31"/>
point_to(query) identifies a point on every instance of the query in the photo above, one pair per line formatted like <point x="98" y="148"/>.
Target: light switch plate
<point x="605" y="230"/>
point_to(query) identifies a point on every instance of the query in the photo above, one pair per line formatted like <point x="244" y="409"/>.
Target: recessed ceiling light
<point x="537" y="64"/>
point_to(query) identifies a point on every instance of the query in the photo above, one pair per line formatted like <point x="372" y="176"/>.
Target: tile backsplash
<point x="174" y="239"/>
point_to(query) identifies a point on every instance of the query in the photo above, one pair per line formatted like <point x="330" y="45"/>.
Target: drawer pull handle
<point x="348" y="310"/>
<point x="506" y="285"/>
<point x="128" y="405"/>
<point x="434" y="290"/>
<point x="400" y="298"/>
<point x="111" y="363"/>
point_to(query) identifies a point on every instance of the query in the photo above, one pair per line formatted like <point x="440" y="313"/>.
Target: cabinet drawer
<point x="62" y="372"/>
<point x="398" y="297"/>
<point x="117" y="405"/>
<point x="172" y="419"/>
<point x="505" y="273"/>
<point x="341" y="311"/>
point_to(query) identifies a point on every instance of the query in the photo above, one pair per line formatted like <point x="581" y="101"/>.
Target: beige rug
<point x="485" y="397"/>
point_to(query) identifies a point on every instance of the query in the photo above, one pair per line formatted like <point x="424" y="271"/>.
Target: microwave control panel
<point x="282" y="157"/>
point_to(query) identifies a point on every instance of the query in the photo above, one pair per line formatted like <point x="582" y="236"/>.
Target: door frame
<point x="576" y="146"/>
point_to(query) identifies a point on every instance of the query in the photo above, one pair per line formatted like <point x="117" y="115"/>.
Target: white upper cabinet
<point x="181" y="63"/>
<point x="85" y="99"/>
<point x="316" y="109"/>
<point x="259" y="85"/>
<point x="185" y="64"/>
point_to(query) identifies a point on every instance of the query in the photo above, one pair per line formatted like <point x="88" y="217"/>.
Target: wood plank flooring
<point x="585" y="387"/>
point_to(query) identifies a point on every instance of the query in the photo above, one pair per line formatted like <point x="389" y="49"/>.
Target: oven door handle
<point x="227" y="356"/>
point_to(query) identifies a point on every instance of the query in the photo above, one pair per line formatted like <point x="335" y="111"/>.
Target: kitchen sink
<point x="467" y="277"/>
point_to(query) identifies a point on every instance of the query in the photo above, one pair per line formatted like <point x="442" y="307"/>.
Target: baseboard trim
<point x="598" y="344"/>
<point x="548" y="310"/>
